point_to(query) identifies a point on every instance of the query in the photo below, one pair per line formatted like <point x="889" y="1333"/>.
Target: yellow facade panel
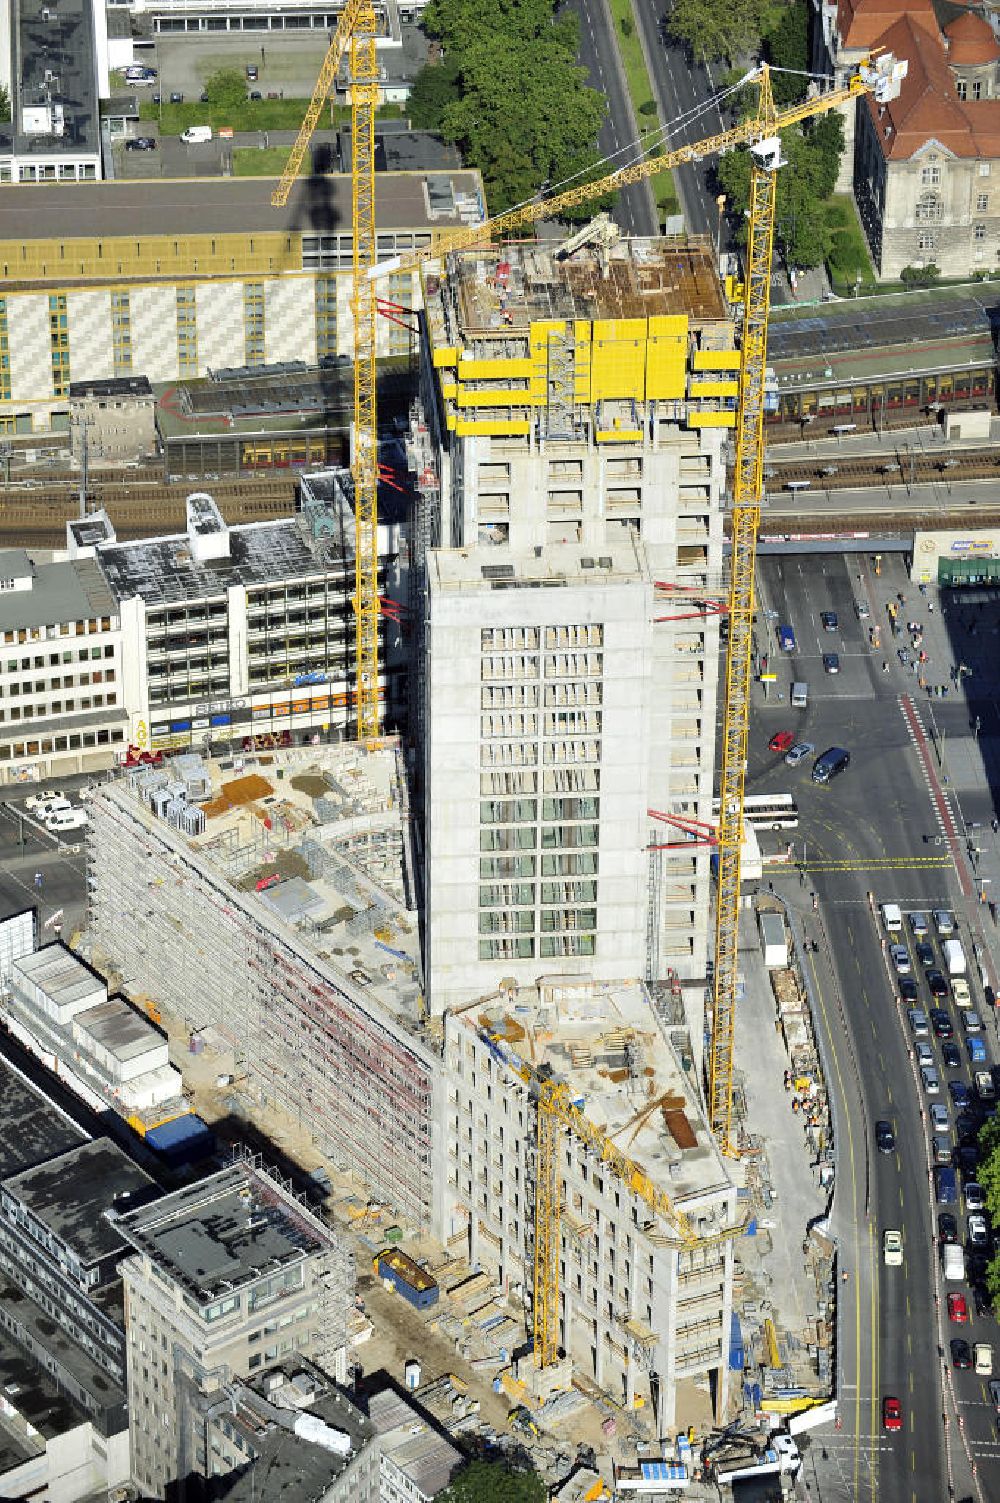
<point x="673" y="324"/>
<point x="501" y="370"/>
<point x="616" y="329"/>
<point x="446" y="355"/>
<point x="618" y="435"/>
<point x="712" y="419"/>
<point x="714" y="389"/>
<point x="716" y="360"/>
<point x="498" y="427"/>
<point x="449" y="389"/>
<point x="495" y="398"/>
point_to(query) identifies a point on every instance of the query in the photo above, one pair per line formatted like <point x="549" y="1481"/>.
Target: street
<point x="635" y="210"/>
<point x="880" y="829"/>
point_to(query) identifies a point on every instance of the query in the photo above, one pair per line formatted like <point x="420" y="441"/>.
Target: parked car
<point x="799" y="752"/>
<point x="176" y="97"/>
<point x="918" y="1024"/>
<point x="62" y="821"/>
<point x="961" y="1354"/>
<point x="960" y="1093"/>
<point x="978" y="1231"/>
<point x="907" y="990"/>
<point x="932" y="1083"/>
<point x="141" y="143"/>
<point x="958" y="1309"/>
<point x="940" y="1149"/>
<point x="972" y="1022"/>
<point x="950" y="1056"/>
<point x="947" y="1227"/>
<point x="943" y="922"/>
<point x="781" y="741"/>
<point x="940" y="1121"/>
<point x="252" y="73"/>
<point x="45" y="796"/>
<point x="975" y="1200"/>
<point x="924" y="1052"/>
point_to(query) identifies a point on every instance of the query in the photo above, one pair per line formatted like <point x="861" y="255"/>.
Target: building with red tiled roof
<point x="925" y="168"/>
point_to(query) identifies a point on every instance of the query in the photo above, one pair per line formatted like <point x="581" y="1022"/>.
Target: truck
<point x="772" y="940"/>
<point x="985" y="1089"/>
<point x="892" y="917"/>
<point x="954" y="957"/>
<point x="977" y="1050"/>
<point x="953" y="1261"/>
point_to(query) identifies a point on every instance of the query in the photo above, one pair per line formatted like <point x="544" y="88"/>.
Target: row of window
<point x="15" y="713"/>
<point x="569" y="864"/>
<point x="62" y="629"/>
<point x="60" y="681"/>
<point x="46" y="746"/>
<point x="548" y="947"/>
<point x="53" y="659"/>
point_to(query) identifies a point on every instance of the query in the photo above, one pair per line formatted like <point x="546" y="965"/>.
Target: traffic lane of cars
<point x="955" y="1165"/>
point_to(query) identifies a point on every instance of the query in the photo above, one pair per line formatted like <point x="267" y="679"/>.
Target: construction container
<point x="185" y="1140"/>
<point x="737" y="1350"/>
<point x="407" y="1278"/>
<point x="772" y="940"/>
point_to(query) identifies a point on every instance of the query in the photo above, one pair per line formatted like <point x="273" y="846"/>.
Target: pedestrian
<point x="38" y="881"/>
<point x="930" y="607"/>
<point x="995" y="824"/>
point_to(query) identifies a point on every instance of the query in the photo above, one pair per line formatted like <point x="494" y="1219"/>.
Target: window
<point x="984" y="169"/>
<point x="979" y="232"/>
<point x="930" y="176"/>
<point x="960" y="88"/>
<point x="926" y="240"/>
<point x="253" y="322"/>
<point x="930" y="209"/>
<point x="982" y="203"/>
<point x="977" y="90"/>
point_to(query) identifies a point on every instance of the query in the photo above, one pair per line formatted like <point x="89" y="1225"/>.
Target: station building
<point x="181" y="278"/>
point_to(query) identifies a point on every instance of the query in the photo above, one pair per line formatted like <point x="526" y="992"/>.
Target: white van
<point x="66" y="819"/>
<point x="892" y="918"/>
<point x="196" y="134"/>
<point x="954" y="957"/>
<point x="800" y="696"/>
<point x="953" y="1261"/>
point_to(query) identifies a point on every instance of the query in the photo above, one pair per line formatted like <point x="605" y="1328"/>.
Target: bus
<point x="767" y="811"/>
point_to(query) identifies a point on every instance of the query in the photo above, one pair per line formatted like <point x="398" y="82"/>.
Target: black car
<point x="908" y="990"/>
<point x="885" y="1138"/>
<point x="925" y="955"/>
<point x="947" y="1227"/>
<point x="829" y="620"/>
<point x="831" y="662"/>
<point x="967" y="1162"/>
<point x="984" y="1305"/>
<point x="941" y="1023"/>
<point x="951" y="1056"/>
<point x="960" y="1094"/>
<point x="961" y="1353"/>
<point x="176" y="97"/>
<point x="967" y="1130"/>
<point x="976" y="1264"/>
<point x="141" y="143"/>
<point x="938" y="985"/>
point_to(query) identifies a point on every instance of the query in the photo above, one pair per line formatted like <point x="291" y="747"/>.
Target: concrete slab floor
<point x="761" y="1057"/>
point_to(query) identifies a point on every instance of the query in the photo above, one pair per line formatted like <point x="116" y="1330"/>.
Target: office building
<point x="208" y="276"/>
<point x="228" y="1278"/>
<point x="49" y="68"/>
<point x="62" y="706"/>
<point x="639" y="1310"/>
<point x="575" y="406"/>
<point x="416" y="1461"/>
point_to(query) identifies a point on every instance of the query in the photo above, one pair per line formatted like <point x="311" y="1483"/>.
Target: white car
<point x="972" y="1022"/>
<point x="925" y="1054"/>
<point x="929" y="1076"/>
<point x="799" y="752"/>
<point x="960" y="992"/>
<point x="51" y="806"/>
<point x="900" y="959"/>
<point x="939" y="1116"/>
<point x="44" y="796"/>
<point x="943" y="922"/>
<point x="892" y="1248"/>
<point x="983" y="1357"/>
<point x="978" y="1232"/>
<point x="974" y="1198"/>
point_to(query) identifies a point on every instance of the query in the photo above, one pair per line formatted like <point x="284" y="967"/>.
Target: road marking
<point x="881" y="863"/>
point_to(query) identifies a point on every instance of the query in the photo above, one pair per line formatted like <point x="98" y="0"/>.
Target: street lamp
<point x="720" y="204"/>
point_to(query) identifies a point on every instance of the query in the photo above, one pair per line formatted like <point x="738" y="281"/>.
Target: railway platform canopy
<point x="882" y="362"/>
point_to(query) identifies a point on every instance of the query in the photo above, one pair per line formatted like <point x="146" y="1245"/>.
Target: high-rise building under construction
<point x="576" y="402"/>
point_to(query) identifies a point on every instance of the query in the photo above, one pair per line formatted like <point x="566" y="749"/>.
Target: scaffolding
<point x="310" y="1044"/>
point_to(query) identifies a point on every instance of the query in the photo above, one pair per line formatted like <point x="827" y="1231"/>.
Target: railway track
<point x="895" y="467"/>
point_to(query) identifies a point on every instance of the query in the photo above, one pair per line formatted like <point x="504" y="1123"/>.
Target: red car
<point x="958" y="1310"/>
<point x="892" y="1414"/>
<point x="782" y="742"/>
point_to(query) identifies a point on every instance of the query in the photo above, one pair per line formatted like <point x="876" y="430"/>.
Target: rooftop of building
<point x="861" y="22"/>
<point x="971" y="42"/>
<point x="37" y="1333"/>
<point x="32" y="1128"/>
<point x="403" y="150"/>
<point x="425" y="1456"/>
<point x="113" y="386"/>
<point x="504" y="568"/>
<point x="234" y="205"/>
<point x="70" y="1194"/>
<point x="297" y="1467"/>
<point x="344" y="882"/>
<point x="61" y="974"/>
<point x="894" y="333"/>
<point x="119" y="1029"/>
<point x="606" y="1042"/>
<point x="225" y="1232"/>
<point x="30" y="1390"/>
<point x="60" y="592"/>
<point x="54" y="49"/>
<point x="498" y="291"/>
<point x="163" y="570"/>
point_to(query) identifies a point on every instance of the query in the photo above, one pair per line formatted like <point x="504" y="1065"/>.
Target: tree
<point x="226" y="89"/>
<point x="491" y="1482"/>
<point x="4" y="103"/>
<point x="434" y="88"/>
<point x="462" y="24"/>
<point x="717" y="28"/>
<point x="786" y="45"/>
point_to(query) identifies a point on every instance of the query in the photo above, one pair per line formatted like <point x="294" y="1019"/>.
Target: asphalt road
<point x="635" y="209"/>
<point x="679" y="86"/>
<point x="865" y="833"/>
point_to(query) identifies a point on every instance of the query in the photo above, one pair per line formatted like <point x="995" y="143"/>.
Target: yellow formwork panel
<point x="497" y="398"/>
<point x="618" y="435"/>
<point x="716" y="360"/>
<point x="666" y="356"/>
<point x="618" y="367"/>
<point x="465" y="427"/>
<point x="446" y="355"/>
<point x="712" y="419"/>
<point x="449" y="388"/>
<point x="713" y="389"/>
<point x="451" y="421"/>
<point x="500" y="370"/>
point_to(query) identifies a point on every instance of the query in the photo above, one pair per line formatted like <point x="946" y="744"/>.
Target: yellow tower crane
<point x="356" y="31"/>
